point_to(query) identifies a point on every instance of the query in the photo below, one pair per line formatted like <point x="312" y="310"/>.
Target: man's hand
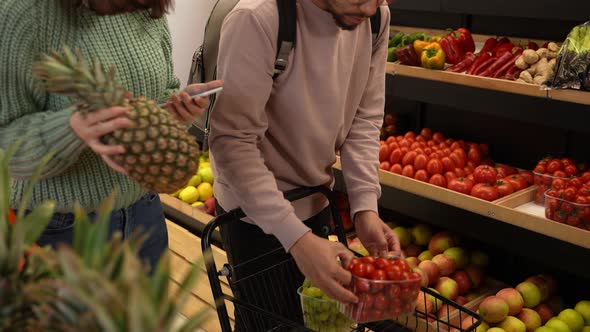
<point x="188" y="109"/>
<point x="375" y="235"/>
<point x="316" y="259"/>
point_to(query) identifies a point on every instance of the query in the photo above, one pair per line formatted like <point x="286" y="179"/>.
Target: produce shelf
<point x="501" y="210"/>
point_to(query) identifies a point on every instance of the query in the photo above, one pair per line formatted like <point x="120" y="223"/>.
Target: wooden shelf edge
<point x="491" y="210"/>
<point x="185" y="209"/>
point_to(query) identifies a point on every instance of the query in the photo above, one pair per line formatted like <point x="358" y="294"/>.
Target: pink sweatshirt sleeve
<point x="360" y="151"/>
<point x="239" y="122"/>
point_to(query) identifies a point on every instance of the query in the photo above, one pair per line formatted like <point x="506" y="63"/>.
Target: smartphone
<point x="200" y="94"/>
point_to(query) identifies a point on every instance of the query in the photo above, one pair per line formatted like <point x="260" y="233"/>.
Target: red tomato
<point x="405" y="143"/>
<point x="517" y="181"/>
<point x="575" y="182"/>
<point x="566" y="207"/>
<point x="420" y="139"/>
<point x="409" y="158"/>
<point x="449" y="141"/>
<point x="396" y="156"/>
<point x="403" y="264"/>
<point x="455" y="146"/>
<point x="399" y="138"/>
<point x="438" y="137"/>
<point x="558" y="184"/>
<point x="485" y="191"/>
<point x="352" y="263"/>
<point x="435" y="166"/>
<point x="457" y="159"/>
<point x="445" y="152"/>
<point x="360" y="270"/>
<point x="500" y="173"/>
<point x="581" y="200"/>
<point x="468" y="170"/>
<point x="415" y="145"/>
<point x="11" y="217"/>
<point x="443" y="145"/>
<point x="427" y="133"/>
<point x="408" y="171"/>
<point x="460" y="172"/>
<point x="448" y="164"/>
<point x="470" y="177"/>
<point x="384" y="153"/>
<point x="419" y="151"/>
<point x="488" y="162"/>
<point x="569" y="194"/>
<point x="390" y="139"/>
<point x="586" y="177"/>
<point x="449" y="176"/>
<point x="560" y="174"/>
<point x="484" y="149"/>
<point x="553" y="166"/>
<point x="404" y="150"/>
<point x="396" y="168"/>
<point x="381" y="263"/>
<point x="474" y="155"/>
<point x="410" y="134"/>
<point x="368" y="259"/>
<point x="431" y="143"/>
<point x="367" y="300"/>
<point x="462" y="185"/>
<point x="528" y="176"/>
<point x="505" y="188"/>
<point x="421" y="175"/>
<point x="573" y="221"/>
<point x="539" y="169"/>
<point x="571" y="170"/>
<point x="420" y="162"/>
<point x="484" y="174"/>
<point x="362" y="285"/>
<point x="385" y="166"/>
<point x="567" y="161"/>
<point x="393" y="146"/>
<point x="393" y="290"/>
<point x="438" y="180"/>
<point x="377" y="275"/>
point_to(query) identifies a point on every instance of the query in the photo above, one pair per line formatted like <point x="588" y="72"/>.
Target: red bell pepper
<point x="463" y="65"/>
<point x="481" y="58"/>
<point x="453" y="52"/>
<point x="464" y="40"/>
<point x="504" y="69"/>
<point x="499" y="44"/>
<point x="533" y="46"/>
<point x="489" y="45"/>
<point x="505" y="48"/>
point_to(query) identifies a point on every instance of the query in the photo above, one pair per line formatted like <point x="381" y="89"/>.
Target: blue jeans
<point x="147" y="214"/>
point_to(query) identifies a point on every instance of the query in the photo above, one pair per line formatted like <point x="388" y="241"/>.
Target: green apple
<point x="460" y="256"/>
<point x="512" y="324"/>
<point x="583" y="307"/>
<point x="530" y="293"/>
<point x="573" y="319"/>
<point x="422" y="234"/>
<point x="558" y="325"/>
<point x="405" y="237"/>
<point x="545" y="329"/>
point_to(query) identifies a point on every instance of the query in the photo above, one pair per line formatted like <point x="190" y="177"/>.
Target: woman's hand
<point x="188" y="109"/>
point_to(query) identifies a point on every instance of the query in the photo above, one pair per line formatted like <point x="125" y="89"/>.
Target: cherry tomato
<point x="421" y="175"/>
<point x="368" y="259"/>
<point x="517" y="182"/>
<point x="575" y="182"/>
<point x="581" y="200"/>
<point x="528" y="176"/>
<point x="360" y="270"/>
<point x="396" y="168"/>
<point x="539" y="169"/>
<point x="558" y="184"/>
<point x="435" y="166"/>
<point x="567" y="161"/>
<point x="439" y="180"/>
<point x="403" y="264"/>
<point x="420" y="162"/>
<point x="409" y="158"/>
<point x="408" y="171"/>
<point x="560" y="216"/>
<point x="393" y="290"/>
<point x="573" y="221"/>
<point x="386" y="166"/>
<point x="505" y="188"/>
<point x="569" y="194"/>
<point x="484" y="174"/>
<point x="560" y="174"/>
<point x="381" y="263"/>
<point x="393" y="272"/>
<point x="362" y="285"/>
<point x="381" y="302"/>
<point x="367" y="300"/>
<point x="461" y="185"/>
<point x="554" y="166"/>
<point x="566" y="207"/>
<point x="485" y="191"/>
<point x="353" y="263"/>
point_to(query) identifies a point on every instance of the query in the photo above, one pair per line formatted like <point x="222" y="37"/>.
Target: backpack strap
<point x="376" y="24"/>
<point x="287" y="34"/>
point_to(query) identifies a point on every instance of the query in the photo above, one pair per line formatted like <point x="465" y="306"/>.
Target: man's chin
<point x="344" y="24"/>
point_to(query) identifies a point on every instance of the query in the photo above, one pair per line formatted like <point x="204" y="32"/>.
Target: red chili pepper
<point x="452" y="50"/>
<point x="489" y="45"/>
<point x="11" y="217"/>
<point x="515" y="54"/>
<point x="463" y="65"/>
<point x="513" y="73"/>
<point x="503" y="49"/>
<point x="500" y="61"/>
<point x="483" y="57"/>
<point x="545" y="45"/>
<point x="500" y="43"/>
<point x="464" y="40"/>
<point x="534" y="46"/>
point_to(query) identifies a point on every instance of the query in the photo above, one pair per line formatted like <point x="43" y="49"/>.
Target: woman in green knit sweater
<point x="133" y="36"/>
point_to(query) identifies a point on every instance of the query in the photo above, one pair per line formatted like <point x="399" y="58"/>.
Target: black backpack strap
<point x="287" y="33"/>
<point x="376" y="24"/>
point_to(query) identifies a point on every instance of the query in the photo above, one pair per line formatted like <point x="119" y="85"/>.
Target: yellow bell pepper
<point x="435" y="38"/>
<point x="433" y="57"/>
<point x="419" y="46"/>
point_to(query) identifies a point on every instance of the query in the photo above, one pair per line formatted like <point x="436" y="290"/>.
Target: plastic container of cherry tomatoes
<point x="382" y="299"/>
<point x="566" y="212"/>
<point x="545" y="182"/>
<point x="321" y="313"/>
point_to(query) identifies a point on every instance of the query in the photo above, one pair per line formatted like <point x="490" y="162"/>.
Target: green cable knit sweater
<point x="136" y="44"/>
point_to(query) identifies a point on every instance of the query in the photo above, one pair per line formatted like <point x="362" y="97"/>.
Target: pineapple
<point x="160" y="153"/>
<point x="17" y="235"/>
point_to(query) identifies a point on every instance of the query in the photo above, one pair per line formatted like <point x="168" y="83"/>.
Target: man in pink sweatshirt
<point x="269" y="136"/>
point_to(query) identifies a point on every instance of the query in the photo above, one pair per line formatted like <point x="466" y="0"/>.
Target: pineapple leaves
<point x="24" y="203"/>
<point x="36" y="222"/>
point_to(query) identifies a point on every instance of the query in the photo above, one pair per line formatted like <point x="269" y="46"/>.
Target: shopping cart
<point x="453" y="318"/>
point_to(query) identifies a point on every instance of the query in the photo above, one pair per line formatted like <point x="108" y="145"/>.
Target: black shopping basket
<point x="453" y="318"/>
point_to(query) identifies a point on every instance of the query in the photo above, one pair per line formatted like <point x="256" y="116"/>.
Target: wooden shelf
<point x="501" y="210"/>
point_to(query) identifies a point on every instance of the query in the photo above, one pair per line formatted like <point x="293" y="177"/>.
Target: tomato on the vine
<point x="484" y="174"/>
<point x="505" y="188"/>
<point x="485" y="191"/>
<point x="461" y="184"/>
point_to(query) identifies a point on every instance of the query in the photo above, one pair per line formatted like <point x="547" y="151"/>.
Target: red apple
<point x="513" y="298"/>
<point x="530" y="318"/>
<point x="446" y="264"/>
<point x="545" y="311"/>
<point x="493" y="309"/>
<point x="441" y="242"/>
<point x="413" y="250"/>
<point x="413" y="261"/>
<point x="476" y="275"/>
<point x="424" y="282"/>
<point x="210" y="204"/>
<point x="424" y="304"/>
<point x="432" y="270"/>
<point x="447" y="287"/>
<point x="462" y="279"/>
<point x="462" y="300"/>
